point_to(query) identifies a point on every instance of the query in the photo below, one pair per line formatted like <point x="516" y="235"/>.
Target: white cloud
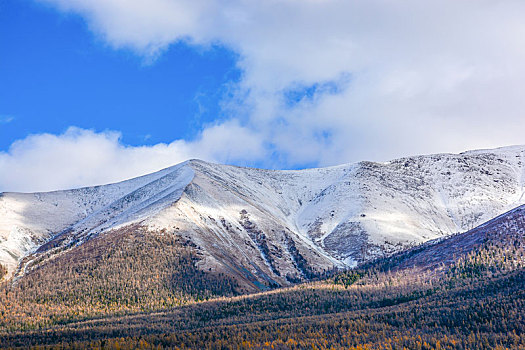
<point x="82" y="157"/>
<point x="419" y="76"/>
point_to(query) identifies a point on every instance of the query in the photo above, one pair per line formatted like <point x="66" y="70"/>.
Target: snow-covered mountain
<point x="505" y="232"/>
<point x="274" y="227"/>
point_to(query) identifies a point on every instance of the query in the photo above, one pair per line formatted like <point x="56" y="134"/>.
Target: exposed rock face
<point x="270" y="228"/>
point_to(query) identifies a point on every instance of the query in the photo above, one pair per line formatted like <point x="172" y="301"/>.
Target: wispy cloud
<point x="5" y="119"/>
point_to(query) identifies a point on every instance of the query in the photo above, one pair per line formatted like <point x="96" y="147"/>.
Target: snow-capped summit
<point x="275" y="227"/>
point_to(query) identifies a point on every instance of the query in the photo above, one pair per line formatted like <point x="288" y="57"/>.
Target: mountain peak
<point x="274" y="227"/>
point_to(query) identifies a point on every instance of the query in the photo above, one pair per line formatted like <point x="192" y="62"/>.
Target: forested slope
<point x="472" y="299"/>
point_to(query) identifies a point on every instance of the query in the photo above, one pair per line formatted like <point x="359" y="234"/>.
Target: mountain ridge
<point x="279" y="225"/>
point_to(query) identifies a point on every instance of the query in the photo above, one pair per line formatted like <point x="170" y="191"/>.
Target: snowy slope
<point x="505" y="231"/>
<point x="277" y="227"/>
<point x="28" y="220"/>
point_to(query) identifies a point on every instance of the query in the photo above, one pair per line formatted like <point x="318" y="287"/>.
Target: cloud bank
<point x="324" y="81"/>
<point x="82" y="157"/>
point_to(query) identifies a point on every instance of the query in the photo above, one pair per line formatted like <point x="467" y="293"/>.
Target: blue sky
<point x="56" y="74"/>
<point x="97" y="91"/>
